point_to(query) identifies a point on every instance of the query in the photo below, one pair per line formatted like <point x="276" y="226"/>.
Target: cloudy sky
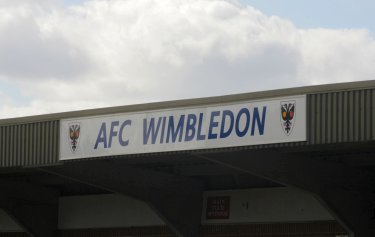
<point x="62" y="55"/>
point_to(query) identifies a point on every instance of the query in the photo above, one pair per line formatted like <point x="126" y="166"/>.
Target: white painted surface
<point x="126" y="133"/>
<point x="264" y="205"/>
<point x="101" y="211"/>
<point x="269" y="205"/>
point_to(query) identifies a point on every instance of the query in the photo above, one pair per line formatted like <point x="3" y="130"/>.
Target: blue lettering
<point x="229" y="114"/>
<point x="162" y="130"/>
<point x="121" y="132"/>
<point x="256" y="120"/>
<point x="246" y="112"/>
<point x="213" y="124"/>
<point x="200" y="136"/>
<point x="172" y="131"/>
<point x="102" y="137"/>
<point x="190" y="127"/>
<point x="151" y="130"/>
<point x="112" y="132"/>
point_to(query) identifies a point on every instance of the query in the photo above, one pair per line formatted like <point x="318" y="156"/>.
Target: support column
<point x="177" y="200"/>
<point x="346" y="191"/>
<point x="34" y="208"/>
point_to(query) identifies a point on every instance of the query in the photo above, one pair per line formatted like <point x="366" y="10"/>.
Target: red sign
<point x="218" y="207"/>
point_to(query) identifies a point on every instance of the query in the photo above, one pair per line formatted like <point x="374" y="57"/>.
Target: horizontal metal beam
<point x="27" y="192"/>
<point x="33" y="207"/>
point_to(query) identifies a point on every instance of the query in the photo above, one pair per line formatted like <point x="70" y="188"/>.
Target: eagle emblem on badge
<point x="287" y="116"/>
<point x="74" y="133"/>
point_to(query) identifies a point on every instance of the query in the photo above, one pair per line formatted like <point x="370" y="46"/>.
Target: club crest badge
<point x="287" y="116"/>
<point x="74" y="135"/>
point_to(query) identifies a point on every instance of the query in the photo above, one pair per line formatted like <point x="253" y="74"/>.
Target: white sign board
<point x="245" y="123"/>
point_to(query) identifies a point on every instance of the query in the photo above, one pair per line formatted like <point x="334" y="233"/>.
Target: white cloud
<point x="337" y="55"/>
<point x="105" y="53"/>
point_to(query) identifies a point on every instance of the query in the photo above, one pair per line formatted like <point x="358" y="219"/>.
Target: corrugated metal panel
<point x="341" y="117"/>
<point x="29" y="144"/>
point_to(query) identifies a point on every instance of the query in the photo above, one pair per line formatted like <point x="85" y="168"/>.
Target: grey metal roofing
<point x="336" y="114"/>
<point x="318" y="89"/>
